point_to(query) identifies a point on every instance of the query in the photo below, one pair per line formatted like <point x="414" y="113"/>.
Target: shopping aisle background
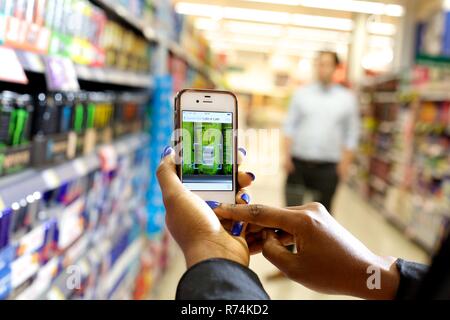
<point x="350" y="210"/>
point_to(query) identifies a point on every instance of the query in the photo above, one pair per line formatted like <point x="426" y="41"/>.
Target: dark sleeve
<point x="220" y="279"/>
<point x="411" y="275"/>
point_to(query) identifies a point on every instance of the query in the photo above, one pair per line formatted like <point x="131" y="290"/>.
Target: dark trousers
<point x="320" y="178"/>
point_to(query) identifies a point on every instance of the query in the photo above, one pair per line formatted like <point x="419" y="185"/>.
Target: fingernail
<point x="251" y="175"/>
<point x="264" y="234"/>
<point x="237" y="228"/>
<point x="246" y="198"/>
<point x="244" y="152"/>
<point x="167" y="150"/>
<point x="213" y="204"/>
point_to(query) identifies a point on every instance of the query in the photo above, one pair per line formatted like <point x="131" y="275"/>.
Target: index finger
<point x="262" y="215"/>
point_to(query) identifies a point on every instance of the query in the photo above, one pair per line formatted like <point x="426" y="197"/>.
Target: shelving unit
<point x="394" y="168"/>
<point x="33" y="62"/>
<point x="119" y="248"/>
<point x="18" y="186"/>
<point x="153" y="35"/>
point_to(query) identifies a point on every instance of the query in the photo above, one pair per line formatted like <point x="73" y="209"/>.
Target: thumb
<point x="274" y="251"/>
<point x="167" y="176"/>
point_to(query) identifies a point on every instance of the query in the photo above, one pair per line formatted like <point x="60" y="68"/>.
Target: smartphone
<point x="206" y="143"/>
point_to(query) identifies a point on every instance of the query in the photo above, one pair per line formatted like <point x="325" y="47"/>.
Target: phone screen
<point x="207" y="162"/>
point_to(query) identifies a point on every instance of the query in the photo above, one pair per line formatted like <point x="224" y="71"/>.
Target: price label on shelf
<point x="50" y="178"/>
<point x="12" y="70"/>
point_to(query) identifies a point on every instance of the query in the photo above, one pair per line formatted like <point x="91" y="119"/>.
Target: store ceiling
<point x="296" y="27"/>
<point x="291" y="30"/>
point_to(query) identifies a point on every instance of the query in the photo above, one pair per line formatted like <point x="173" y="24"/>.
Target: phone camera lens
<point x="198" y="101"/>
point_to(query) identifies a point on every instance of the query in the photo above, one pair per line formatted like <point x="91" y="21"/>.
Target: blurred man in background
<point x="321" y="134"/>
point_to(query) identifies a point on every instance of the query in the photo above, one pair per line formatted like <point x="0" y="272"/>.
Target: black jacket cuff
<point x="411" y="275"/>
<point x="220" y="279"/>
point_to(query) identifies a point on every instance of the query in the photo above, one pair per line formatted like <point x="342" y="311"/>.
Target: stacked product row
<point x="50" y="127"/>
<point x="82" y="240"/>
<point x="75" y="29"/>
<point x="403" y="163"/>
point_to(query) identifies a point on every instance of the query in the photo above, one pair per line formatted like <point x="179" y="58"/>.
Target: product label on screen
<point x="207" y="161"/>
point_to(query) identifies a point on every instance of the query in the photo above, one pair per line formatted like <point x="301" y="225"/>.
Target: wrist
<point x="197" y="253"/>
<point x="382" y="279"/>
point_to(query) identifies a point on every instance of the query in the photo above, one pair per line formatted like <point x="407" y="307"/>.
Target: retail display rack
<point x="152" y="35"/>
<point x="79" y="207"/>
<point x="402" y="165"/>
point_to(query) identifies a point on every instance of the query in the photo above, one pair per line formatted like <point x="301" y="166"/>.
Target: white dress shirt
<point x="322" y="121"/>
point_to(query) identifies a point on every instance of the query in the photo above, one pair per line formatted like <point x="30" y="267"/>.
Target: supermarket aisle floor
<point x="350" y="210"/>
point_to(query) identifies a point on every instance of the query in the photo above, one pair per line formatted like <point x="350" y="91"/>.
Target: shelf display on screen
<point x="207" y="150"/>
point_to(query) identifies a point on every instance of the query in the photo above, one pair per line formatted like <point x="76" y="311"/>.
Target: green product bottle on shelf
<point x="211" y="148"/>
<point x="79" y="114"/>
<point x="6" y="115"/>
<point x="90" y="117"/>
<point x="227" y="131"/>
<point x="22" y="116"/>
<point x="188" y="147"/>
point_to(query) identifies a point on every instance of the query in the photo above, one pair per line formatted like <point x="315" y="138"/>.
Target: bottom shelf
<point x="396" y="222"/>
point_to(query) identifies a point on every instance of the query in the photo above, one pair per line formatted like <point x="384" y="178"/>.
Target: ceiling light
<point x="446" y="4"/>
<point x="256" y="15"/>
<point x="394" y="10"/>
<point x="275" y="17"/>
<point x="322" y="22"/>
<point x="380" y="41"/>
<point x="381" y="28"/>
<point x="346" y="5"/>
<point x="319" y="35"/>
<point x="369" y="7"/>
<point x="203" y="10"/>
<point x="282" y="2"/>
<point x="206" y="24"/>
<point x="254" y="28"/>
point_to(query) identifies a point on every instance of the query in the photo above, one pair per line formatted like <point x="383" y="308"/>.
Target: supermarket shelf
<point x="33" y="62"/>
<point x="385" y="97"/>
<point x="394" y="221"/>
<point x="122" y="12"/>
<point x="114" y="76"/>
<point x="18" y="186"/>
<point x="153" y="36"/>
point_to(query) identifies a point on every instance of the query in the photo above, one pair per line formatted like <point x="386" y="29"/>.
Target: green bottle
<point x="188" y="147"/>
<point x="6" y="115"/>
<point x="91" y="106"/>
<point x="211" y="148"/>
<point x="20" y="121"/>
<point x="78" y="123"/>
<point x="25" y="110"/>
<point x="227" y="131"/>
